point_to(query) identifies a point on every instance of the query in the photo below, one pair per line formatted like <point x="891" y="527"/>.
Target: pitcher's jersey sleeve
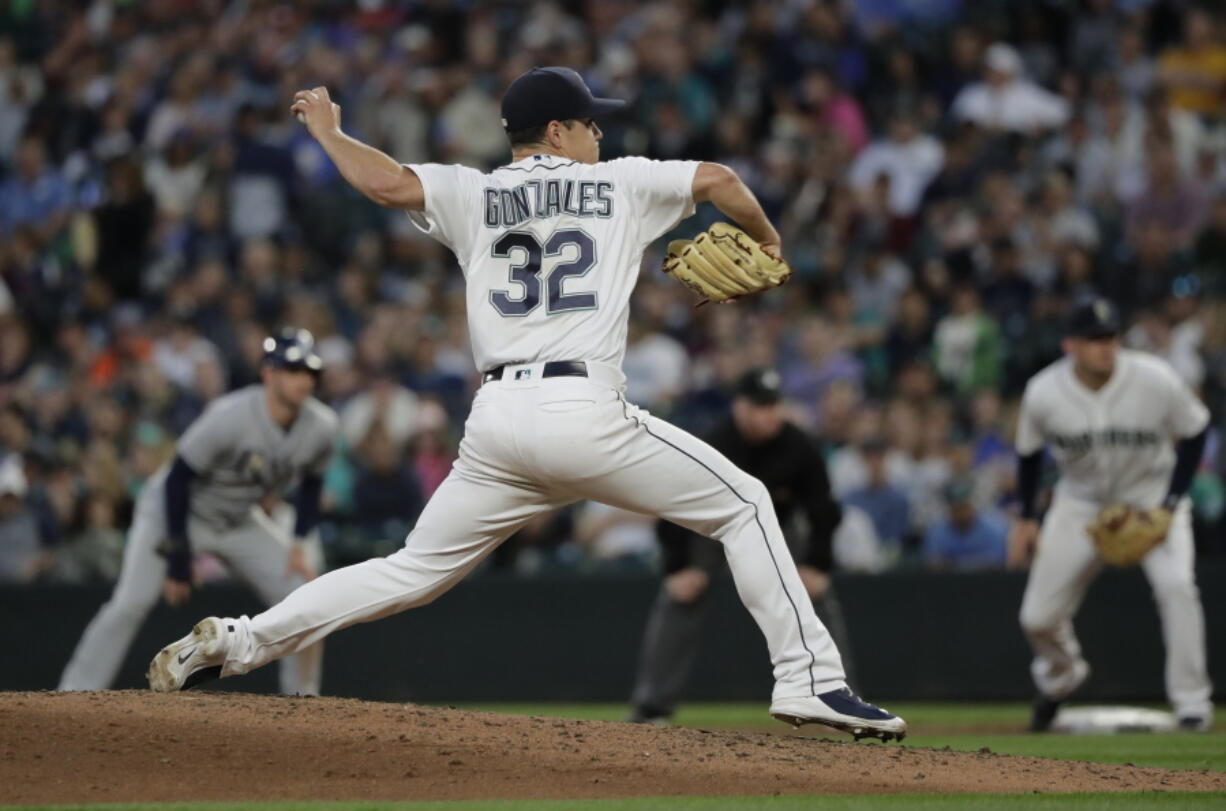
<point x="662" y="191"/>
<point x="453" y="204"/>
<point x="1030" y="436"/>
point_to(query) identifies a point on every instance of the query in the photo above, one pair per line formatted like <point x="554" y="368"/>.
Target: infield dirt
<point x="136" y="746"/>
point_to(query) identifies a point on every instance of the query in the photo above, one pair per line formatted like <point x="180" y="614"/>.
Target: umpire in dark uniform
<point x="759" y="440"/>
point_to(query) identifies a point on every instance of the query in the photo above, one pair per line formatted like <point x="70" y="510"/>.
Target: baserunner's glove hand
<point x="724" y="263"/>
<point x="1124" y="535"/>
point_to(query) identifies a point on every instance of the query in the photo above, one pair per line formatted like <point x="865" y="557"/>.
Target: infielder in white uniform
<point x="550" y="246"/>
<point x="246" y="445"/>
<point x="1124" y="429"/>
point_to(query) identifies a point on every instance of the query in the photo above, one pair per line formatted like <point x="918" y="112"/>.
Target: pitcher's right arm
<point x="375" y="174"/>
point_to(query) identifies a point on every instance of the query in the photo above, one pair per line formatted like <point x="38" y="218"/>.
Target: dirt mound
<point x="131" y="746"/>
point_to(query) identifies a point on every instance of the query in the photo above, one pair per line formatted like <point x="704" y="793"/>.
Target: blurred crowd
<point x="947" y="177"/>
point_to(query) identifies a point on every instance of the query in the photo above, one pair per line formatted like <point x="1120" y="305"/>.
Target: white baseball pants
<point x="1067" y="562"/>
<point x="255" y="552"/>
<point x="534" y="444"/>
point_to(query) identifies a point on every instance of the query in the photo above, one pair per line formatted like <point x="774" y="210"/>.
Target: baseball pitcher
<point x="550" y="246"/>
<point x="246" y="445"/>
<point x="1127" y="434"/>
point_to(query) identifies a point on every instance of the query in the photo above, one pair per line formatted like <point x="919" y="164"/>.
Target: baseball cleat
<point x="842" y="710"/>
<point x="1043" y="712"/>
<point x="194" y="659"/>
<point x="1194" y="723"/>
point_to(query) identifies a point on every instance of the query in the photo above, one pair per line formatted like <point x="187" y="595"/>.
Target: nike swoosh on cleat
<point x="184" y="657"/>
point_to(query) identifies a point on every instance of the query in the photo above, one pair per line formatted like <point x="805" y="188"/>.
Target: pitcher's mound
<point x="131" y="746"/>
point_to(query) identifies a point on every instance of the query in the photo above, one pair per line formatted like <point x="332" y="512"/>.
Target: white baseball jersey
<point x="1115" y="444"/>
<point x="551" y="248"/>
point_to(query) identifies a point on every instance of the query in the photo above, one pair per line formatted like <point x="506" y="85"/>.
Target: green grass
<point x="1173" y="751"/>
<point x="979" y="802"/>
<point x="1170" y="751"/>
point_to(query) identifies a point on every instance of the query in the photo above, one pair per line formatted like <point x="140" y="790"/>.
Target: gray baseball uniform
<point x="239" y="456"/>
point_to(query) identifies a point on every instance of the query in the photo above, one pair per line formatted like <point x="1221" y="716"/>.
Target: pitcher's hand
<point x="316" y="109"/>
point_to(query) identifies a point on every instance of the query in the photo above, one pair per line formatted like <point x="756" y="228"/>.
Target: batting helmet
<point x="293" y="349"/>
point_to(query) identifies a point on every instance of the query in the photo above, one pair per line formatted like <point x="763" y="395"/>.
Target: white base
<point x="1111" y="720"/>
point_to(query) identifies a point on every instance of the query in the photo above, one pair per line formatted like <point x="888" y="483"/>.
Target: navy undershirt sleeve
<point x="1188" y="453"/>
<point x="179" y="549"/>
<point x="307" y="504"/>
<point x="1029" y="470"/>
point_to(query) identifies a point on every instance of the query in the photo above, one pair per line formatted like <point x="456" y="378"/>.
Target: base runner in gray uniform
<point x="246" y="445"/>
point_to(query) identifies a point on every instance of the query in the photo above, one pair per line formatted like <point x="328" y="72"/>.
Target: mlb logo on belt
<point x="523" y="374"/>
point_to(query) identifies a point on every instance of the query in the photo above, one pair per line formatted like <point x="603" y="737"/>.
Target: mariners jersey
<point x="1115" y="444"/>
<point x="240" y="455"/>
<point x="551" y="248"/>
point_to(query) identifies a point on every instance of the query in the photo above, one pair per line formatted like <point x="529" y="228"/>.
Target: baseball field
<point x="127" y="749"/>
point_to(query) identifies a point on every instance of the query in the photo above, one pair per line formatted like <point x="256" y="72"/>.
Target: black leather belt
<point x="553" y="368"/>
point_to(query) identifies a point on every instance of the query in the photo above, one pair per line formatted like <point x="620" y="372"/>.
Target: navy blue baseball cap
<point x="760" y="386"/>
<point x="1095" y="318"/>
<point x="551" y="94"/>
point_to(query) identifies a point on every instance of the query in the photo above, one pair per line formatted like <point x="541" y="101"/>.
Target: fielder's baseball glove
<point x="1126" y="534"/>
<point x="723" y="263"/>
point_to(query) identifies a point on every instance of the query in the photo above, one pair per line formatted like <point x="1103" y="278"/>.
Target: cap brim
<point x="599" y="107"/>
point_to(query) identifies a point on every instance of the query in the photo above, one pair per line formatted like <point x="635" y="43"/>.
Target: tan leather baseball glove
<point x="723" y="263"/>
<point x="1124" y="535"/>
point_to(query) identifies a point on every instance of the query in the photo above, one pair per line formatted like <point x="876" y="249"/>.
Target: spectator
<point x="1195" y="71"/>
<point x="387" y="404"/>
<point x="1007" y="293"/>
<point x="834" y="110"/>
<point x="125" y="224"/>
<point x="969" y="538"/>
<point x="180" y="353"/>
<point x="884" y="504"/>
<point x="1005" y="101"/>
<point x="856" y="546"/>
<point x="22" y="558"/>
<point x="911" y="334"/>
<point x="616" y="539"/>
<point x="1167" y="198"/>
<point x="35" y="194"/>
<point x="1209" y="252"/>
<point x="910" y="160"/>
<point x="967" y="345"/>
<point x="655" y="367"/>
<point x="877" y="283"/>
<point x="820" y="361"/>
<point x="387" y="496"/>
<point x="176" y="176"/>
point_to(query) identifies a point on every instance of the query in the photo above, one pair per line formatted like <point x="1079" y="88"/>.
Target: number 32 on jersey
<point x="527" y="254"/>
